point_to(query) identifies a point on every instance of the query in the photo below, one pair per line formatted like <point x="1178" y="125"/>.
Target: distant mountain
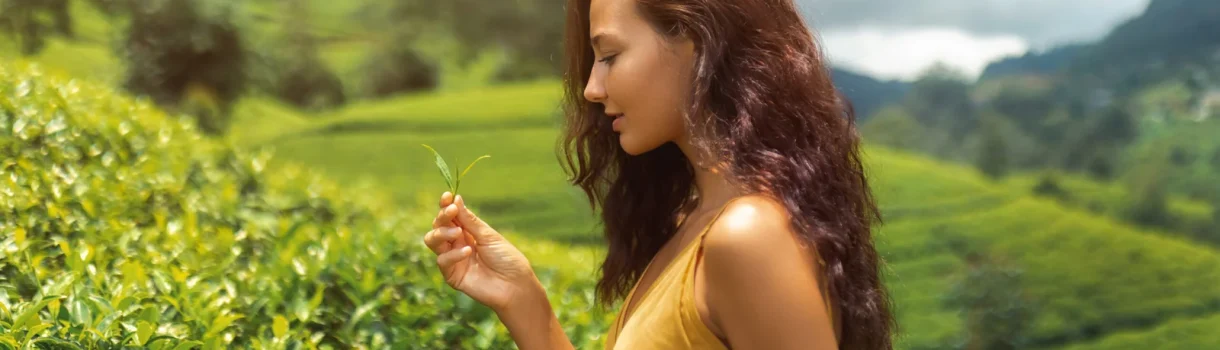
<point x="866" y="93"/>
<point x="1169" y="36"/>
<point x="1048" y="62"/>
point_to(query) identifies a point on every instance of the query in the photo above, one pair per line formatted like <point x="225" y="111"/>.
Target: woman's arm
<point x="761" y="287"/>
<point x="532" y="322"/>
<point x="480" y="262"/>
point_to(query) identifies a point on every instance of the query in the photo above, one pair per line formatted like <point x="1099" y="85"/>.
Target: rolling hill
<point x="1085" y="276"/>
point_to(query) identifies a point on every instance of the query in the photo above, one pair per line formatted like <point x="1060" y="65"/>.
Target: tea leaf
<point x="444" y="167"/>
<point x="459" y="179"/>
<point x="279" y="327"/>
<point x="144" y="332"/>
<point x="187" y="345"/>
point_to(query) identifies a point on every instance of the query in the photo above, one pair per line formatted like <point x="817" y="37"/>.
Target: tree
<point x="31" y="21"/>
<point x="993" y="154"/>
<point x="1148" y="204"/>
<point x="1216" y="159"/>
<point x="1098" y="141"/>
<point x="999" y="313"/>
<point x="528" y="33"/>
<point x="940" y="99"/>
<point x="289" y="66"/>
<point x="173" y="45"/>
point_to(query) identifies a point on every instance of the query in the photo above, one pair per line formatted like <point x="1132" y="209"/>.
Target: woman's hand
<point x="477" y="260"/>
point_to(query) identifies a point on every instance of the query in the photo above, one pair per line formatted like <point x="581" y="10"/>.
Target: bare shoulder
<point x="753" y="222"/>
<point x="757" y="291"/>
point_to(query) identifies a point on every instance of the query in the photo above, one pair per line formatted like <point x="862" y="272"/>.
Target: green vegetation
<point x="1185" y="334"/>
<point x="453" y="183"/>
<point x="125" y="227"/>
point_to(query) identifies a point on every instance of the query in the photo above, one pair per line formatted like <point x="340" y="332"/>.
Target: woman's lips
<point x="618" y="120"/>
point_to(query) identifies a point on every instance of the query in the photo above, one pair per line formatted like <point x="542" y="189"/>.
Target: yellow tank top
<point x="665" y="317"/>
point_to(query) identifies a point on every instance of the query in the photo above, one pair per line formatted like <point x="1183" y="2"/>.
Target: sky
<point x="899" y="39"/>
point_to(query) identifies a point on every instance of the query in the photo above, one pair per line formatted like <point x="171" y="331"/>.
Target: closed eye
<point x="608" y="59"/>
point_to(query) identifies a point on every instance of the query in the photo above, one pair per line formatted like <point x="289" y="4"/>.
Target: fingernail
<point x="453" y="231"/>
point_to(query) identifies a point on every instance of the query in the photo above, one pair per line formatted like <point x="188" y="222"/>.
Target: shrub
<point x="397" y="69"/>
<point x="123" y="227"/>
<point x="174" y="44"/>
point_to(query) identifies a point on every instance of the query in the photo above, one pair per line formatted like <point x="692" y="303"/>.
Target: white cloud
<point x="904" y="53"/>
<point x="1040" y="22"/>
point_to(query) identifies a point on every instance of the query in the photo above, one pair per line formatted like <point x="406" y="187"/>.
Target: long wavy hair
<point x="763" y="103"/>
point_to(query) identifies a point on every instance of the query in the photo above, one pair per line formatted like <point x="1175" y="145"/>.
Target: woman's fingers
<point x="439" y="239"/>
<point x="444" y="217"/>
<point x="446" y="199"/>
<point x="483" y="234"/>
<point x="446" y="260"/>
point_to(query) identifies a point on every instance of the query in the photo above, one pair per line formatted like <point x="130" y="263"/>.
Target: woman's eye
<point x="608" y="59"/>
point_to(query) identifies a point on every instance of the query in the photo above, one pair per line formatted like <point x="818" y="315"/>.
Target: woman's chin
<point x="625" y="142"/>
<point x="632" y="146"/>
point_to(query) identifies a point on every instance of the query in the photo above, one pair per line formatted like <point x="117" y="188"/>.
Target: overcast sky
<point x="897" y="39"/>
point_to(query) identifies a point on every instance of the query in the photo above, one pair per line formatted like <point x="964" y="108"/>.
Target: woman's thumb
<point x="482" y="232"/>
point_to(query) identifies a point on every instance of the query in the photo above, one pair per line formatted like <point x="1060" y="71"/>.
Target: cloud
<point x="1039" y="22"/>
<point x="904" y="54"/>
<point x="900" y="38"/>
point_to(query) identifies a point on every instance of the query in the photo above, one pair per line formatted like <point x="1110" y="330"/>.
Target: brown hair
<point x="762" y="101"/>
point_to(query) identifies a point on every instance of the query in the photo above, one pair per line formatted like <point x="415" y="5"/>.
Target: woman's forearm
<point x="532" y="322"/>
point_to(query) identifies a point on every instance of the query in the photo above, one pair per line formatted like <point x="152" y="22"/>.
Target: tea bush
<point x="123" y="227"/>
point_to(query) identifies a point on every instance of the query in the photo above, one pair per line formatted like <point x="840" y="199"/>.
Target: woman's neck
<point x="711" y="184"/>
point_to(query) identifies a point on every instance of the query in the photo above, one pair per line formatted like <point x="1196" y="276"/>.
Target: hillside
<point x="867" y="94"/>
<point x="1084" y="275"/>
<point x="1052" y="61"/>
<point x="1169" y="32"/>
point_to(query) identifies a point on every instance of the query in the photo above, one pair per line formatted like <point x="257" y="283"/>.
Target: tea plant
<point x="122" y="227"/>
<point x="444" y="168"/>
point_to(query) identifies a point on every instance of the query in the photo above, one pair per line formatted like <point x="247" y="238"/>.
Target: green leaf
<point x="55" y="344"/>
<point x="444" y="167"/>
<point x="459" y="179"/>
<point x="35" y="330"/>
<point x="188" y="345"/>
<point x="29" y="313"/>
<point x="150" y="314"/>
<point x="359" y="314"/>
<point x="144" y="331"/>
<point x="279" y="327"/>
<point x="220" y="323"/>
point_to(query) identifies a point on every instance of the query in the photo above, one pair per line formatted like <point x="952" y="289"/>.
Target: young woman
<point x="736" y="209"/>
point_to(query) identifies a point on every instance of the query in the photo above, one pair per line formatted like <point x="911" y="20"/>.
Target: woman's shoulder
<point x="753" y="260"/>
<point x="750" y="226"/>
<point x="748" y="217"/>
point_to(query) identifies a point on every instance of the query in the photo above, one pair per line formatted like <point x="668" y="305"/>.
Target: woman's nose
<point x="594" y="91"/>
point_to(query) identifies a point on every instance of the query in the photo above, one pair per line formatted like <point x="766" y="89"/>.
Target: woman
<point x="736" y="210"/>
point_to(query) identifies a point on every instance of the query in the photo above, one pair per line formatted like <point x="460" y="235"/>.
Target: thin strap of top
<point x="696" y="242"/>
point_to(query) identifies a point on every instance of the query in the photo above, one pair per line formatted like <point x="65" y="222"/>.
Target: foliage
<point x="124" y="227"/>
<point x="993" y="156"/>
<point x="171" y="45"/>
<point x="998" y="313"/>
<point x="31" y="21"/>
<point x="289" y="67"/>
<point x="1087" y="274"/>
<point x="1184" y="334"/>
<point x="393" y="68"/>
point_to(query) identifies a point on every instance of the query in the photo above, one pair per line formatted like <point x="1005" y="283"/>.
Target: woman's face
<point x="641" y="77"/>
